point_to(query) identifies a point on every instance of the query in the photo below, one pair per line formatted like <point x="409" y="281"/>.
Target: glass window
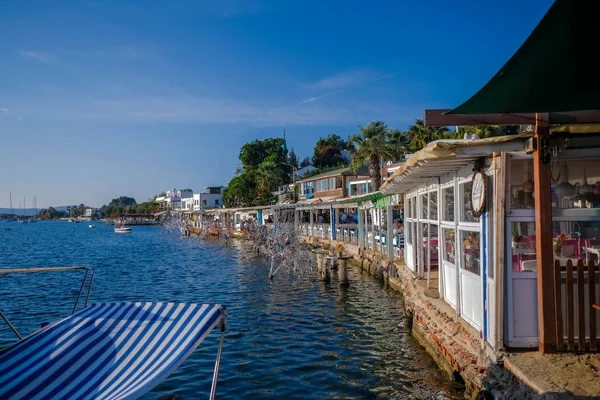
<point x="521" y="183"/>
<point x="409" y="209"/>
<point x="470" y="246"/>
<point x="523" y="245"/>
<point x="449" y="252"/>
<point x="424" y="206"/>
<point x="413" y="209"/>
<point x="433" y="248"/>
<point x="408" y="232"/>
<point x="466" y="215"/>
<point x="433" y="205"/>
<point x="575" y="183"/>
<point x="448" y="204"/>
<point x="216" y="202"/>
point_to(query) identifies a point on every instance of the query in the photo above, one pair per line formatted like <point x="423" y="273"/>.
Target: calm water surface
<point x="295" y="337"/>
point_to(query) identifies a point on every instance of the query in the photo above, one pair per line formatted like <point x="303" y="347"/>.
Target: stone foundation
<point x="453" y="344"/>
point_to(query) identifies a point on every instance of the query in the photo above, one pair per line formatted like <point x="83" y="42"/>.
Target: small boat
<point x="76" y="221"/>
<point x="122" y="229"/>
<point x="92" y="226"/>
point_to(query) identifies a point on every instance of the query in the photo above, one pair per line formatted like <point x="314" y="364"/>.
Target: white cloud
<point x="35" y="55"/>
<point x="182" y="108"/>
<point x="345" y="82"/>
<point x="3" y="110"/>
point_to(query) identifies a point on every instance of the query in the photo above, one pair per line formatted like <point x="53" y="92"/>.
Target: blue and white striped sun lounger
<point x="107" y="351"/>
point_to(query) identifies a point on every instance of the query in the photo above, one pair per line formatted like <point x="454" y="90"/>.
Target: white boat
<point x="122" y="229"/>
<point x="92" y="226"/>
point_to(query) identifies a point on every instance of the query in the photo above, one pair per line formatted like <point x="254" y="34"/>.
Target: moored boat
<point x="122" y="229"/>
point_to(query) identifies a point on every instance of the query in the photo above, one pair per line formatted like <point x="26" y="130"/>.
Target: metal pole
<point x="10" y="325"/>
<point x="213" y="388"/>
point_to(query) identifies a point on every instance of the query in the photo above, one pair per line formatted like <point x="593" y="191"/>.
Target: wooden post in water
<point x="343" y="271"/>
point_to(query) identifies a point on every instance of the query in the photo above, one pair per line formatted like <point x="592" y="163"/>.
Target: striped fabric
<point x="106" y="351"/>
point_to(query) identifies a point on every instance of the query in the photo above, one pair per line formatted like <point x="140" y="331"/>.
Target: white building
<point x="187" y="204"/>
<point x="211" y="198"/>
<point x="90" y="212"/>
<point x="173" y="199"/>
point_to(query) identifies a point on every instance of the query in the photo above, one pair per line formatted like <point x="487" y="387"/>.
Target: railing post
<point x="332" y="221"/>
<point x="390" y="233"/>
<point x="361" y="229"/>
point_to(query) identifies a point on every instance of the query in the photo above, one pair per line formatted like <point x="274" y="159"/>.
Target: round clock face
<point x="478" y="194"/>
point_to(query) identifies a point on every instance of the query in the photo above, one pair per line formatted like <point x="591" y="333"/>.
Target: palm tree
<point x="400" y="142"/>
<point x="421" y="134"/>
<point x="371" y="145"/>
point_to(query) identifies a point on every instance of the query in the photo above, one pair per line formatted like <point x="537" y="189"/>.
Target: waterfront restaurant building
<point x="517" y="218"/>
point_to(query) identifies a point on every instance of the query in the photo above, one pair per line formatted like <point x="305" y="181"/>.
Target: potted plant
<point x="559" y="244"/>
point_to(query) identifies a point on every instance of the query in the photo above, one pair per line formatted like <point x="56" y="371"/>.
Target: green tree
<point x="306" y="161"/>
<point x="487" y="131"/>
<point x="293" y="159"/>
<point x="263" y="170"/>
<point x="241" y="191"/>
<point x="420" y="134"/>
<point x="254" y="153"/>
<point x="400" y="142"/>
<point x="372" y="145"/>
<point x="328" y="151"/>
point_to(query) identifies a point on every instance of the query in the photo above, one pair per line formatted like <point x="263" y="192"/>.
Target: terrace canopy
<point x="553" y="71"/>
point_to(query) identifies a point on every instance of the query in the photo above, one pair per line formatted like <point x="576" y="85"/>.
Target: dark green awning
<point x="555" y="69"/>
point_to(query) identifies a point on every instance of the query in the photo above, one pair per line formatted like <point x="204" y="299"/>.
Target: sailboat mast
<point x="11" y="208"/>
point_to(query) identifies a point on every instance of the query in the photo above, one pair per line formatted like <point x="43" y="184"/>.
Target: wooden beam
<point x="440" y="118"/>
<point x="543" y="242"/>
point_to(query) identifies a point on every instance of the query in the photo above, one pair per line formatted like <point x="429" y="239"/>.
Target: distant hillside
<point x="27" y="211"/>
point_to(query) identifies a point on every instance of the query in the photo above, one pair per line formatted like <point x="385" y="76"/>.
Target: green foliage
<point x="293" y="159"/>
<point x="420" y="135"/>
<point x="52" y="213"/>
<point x="125" y="205"/>
<point x="306" y="161"/>
<point x="372" y="145"/>
<point x="241" y="191"/>
<point x="254" y="153"/>
<point x="328" y="151"/>
<point x="322" y="170"/>
<point x="262" y="172"/>
<point x="487" y="131"/>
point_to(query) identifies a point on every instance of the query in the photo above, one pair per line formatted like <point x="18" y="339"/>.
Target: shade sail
<point x="554" y="69"/>
<point x="106" y="351"/>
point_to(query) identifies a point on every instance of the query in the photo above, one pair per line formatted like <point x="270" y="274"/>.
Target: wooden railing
<point x="575" y="291"/>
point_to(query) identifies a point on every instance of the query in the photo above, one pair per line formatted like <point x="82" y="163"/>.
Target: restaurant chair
<point x="529" y="265"/>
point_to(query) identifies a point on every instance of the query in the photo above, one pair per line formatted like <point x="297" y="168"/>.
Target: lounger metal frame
<point x="87" y="282"/>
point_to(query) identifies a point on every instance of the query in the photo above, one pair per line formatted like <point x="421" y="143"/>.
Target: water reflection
<point x="292" y="337"/>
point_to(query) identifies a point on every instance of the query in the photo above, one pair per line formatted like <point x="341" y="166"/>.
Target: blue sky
<point x="107" y="98"/>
